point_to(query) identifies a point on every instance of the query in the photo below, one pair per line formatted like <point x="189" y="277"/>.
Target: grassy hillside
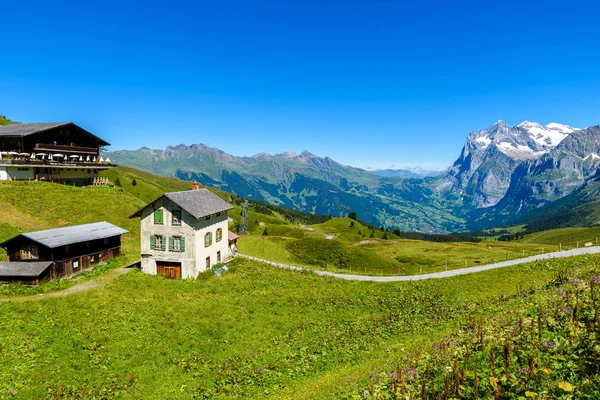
<point x="6" y="121"/>
<point x="258" y="332"/>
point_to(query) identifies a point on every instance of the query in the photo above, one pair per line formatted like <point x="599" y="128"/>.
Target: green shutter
<point x="182" y="244"/>
<point x="170" y="243"/>
<point x="164" y="243"/>
<point x="152" y="242"/>
<point x="158" y="217"/>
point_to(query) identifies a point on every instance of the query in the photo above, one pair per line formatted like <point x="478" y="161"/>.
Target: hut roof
<point x="57" y="237"/>
<point x="23" y="268"/>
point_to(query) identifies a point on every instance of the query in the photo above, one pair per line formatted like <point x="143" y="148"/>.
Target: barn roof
<point x="21" y="130"/>
<point x="23" y="268"/>
<point x="57" y="237"/>
<point x="198" y="203"/>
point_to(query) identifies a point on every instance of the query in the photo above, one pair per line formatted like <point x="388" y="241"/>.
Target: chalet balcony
<point x="56" y="162"/>
<point x="66" y="149"/>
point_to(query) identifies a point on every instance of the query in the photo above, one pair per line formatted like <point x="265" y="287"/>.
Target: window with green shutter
<point x="163" y="243"/>
<point x="152" y="242"/>
<point x="208" y="239"/>
<point x="158" y="217"/>
<point x="171" y="240"/>
<point x="182" y="244"/>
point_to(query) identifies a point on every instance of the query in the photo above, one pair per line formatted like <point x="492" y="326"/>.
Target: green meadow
<point x="257" y="332"/>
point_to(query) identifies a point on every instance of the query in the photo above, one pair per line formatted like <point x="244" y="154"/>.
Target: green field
<point x="257" y="332"/>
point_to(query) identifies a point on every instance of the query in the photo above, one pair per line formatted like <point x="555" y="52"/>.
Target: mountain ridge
<point x="464" y="196"/>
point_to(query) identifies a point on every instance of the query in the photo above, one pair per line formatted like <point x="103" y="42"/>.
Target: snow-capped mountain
<point x="481" y="175"/>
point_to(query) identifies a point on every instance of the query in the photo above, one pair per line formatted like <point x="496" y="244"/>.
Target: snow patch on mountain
<point x="485" y="140"/>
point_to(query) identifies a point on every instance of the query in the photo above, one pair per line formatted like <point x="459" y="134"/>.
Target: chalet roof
<point x="57" y="237"/>
<point x="198" y="203"/>
<point x="23" y="268"/>
<point x="21" y="130"/>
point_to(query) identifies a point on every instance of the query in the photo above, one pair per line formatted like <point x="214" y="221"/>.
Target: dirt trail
<point x="80" y="287"/>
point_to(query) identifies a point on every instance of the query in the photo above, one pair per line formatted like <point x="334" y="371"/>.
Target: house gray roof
<point x="198" y="203"/>
<point x="53" y="238"/>
<point x="20" y="130"/>
<point x="23" y="268"/>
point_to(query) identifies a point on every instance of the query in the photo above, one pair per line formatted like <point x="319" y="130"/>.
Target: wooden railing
<point x="68" y="149"/>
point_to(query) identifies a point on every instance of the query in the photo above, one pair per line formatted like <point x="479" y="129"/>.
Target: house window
<point x="207" y="262"/>
<point x="218" y="256"/>
<point x="177" y="244"/>
<point x="29" y="253"/>
<point x="219" y="235"/>
<point x="158" y="217"/>
<point x="208" y="239"/>
<point x="176" y="217"/>
<point x="157" y="242"/>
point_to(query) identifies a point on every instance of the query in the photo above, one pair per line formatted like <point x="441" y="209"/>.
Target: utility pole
<point x="243" y="228"/>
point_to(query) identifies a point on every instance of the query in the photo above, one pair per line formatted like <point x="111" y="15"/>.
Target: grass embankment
<point x="257" y="332"/>
<point x="566" y="238"/>
<point x="344" y="245"/>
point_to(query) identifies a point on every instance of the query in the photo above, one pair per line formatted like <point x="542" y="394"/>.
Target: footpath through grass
<point x="257" y="332"/>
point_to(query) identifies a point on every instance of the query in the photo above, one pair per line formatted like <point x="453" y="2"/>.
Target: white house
<point x="185" y="233"/>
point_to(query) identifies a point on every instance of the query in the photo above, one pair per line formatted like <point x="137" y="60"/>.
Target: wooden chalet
<point x="59" y="152"/>
<point x="62" y="252"/>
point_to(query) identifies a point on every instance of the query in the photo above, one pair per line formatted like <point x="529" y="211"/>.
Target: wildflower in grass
<point x="575" y="282"/>
<point x="411" y="374"/>
<point x="548" y="343"/>
<point x="595" y="280"/>
<point x="565" y="309"/>
<point x="524" y="371"/>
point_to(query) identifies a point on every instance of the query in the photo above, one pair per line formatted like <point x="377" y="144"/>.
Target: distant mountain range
<point x="502" y="174"/>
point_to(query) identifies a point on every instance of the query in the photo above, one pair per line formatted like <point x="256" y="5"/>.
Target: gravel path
<point x="435" y="275"/>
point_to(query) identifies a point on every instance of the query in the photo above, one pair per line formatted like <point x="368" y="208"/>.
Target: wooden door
<point x="170" y="270"/>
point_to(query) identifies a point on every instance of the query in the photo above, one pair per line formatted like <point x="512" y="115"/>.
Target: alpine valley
<point x="504" y="174"/>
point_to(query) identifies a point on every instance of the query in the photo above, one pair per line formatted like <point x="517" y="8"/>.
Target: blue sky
<point x="368" y="83"/>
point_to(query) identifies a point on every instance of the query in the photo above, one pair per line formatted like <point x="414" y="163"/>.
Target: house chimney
<point x="194" y="185"/>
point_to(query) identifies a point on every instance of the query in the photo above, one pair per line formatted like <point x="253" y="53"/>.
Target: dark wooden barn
<point x="62" y="252"/>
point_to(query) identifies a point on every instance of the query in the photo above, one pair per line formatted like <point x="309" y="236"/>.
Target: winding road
<point x="437" y="275"/>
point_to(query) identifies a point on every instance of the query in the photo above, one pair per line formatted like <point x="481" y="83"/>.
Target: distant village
<point x="182" y="233"/>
